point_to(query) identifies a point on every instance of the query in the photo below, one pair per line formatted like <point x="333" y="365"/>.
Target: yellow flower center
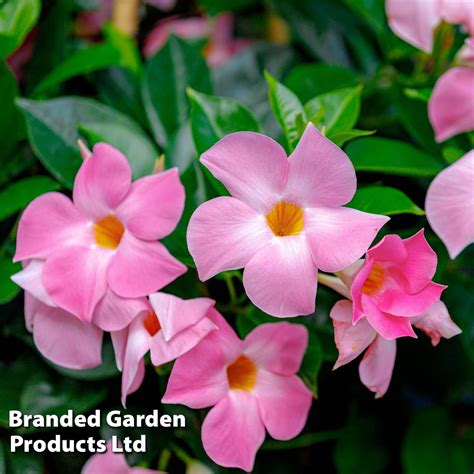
<point x="108" y="232"/>
<point x="151" y="323"/>
<point x="285" y="219"/>
<point x="242" y="374"/>
<point x="375" y="280"/>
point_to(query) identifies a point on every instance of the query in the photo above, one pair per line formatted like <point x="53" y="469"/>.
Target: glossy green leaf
<point x="174" y="68"/>
<point x="372" y="11"/>
<point x="53" y="133"/>
<point x="286" y="107"/>
<point x="388" y="156"/>
<point x="341" y="138"/>
<point x="17" y="18"/>
<point x="384" y="200"/>
<point x="341" y="109"/>
<point x="8" y="289"/>
<point x="310" y="80"/>
<point x="19" y="194"/>
<point x="312" y="363"/>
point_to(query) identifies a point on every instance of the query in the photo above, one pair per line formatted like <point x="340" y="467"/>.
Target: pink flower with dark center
<point x="284" y="221"/>
<point x="168" y="328"/>
<point x="450" y="205"/>
<point x="106" y="239"/>
<point x="252" y="386"/>
<point x="394" y="285"/>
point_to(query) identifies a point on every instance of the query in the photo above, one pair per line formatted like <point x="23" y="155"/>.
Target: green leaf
<point x="312" y="363"/>
<point x="341" y="109"/>
<point x="372" y="11"/>
<point x="384" y="200"/>
<point x="176" y="66"/>
<point x="309" y="80"/>
<point x="286" y="107"/>
<point x="17" y="18"/>
<point x="18" y="195"/>
<point x="25" y="463"/>
<point x="418" y="94"/>
<point x="8" y="289"/>
<point x="214" y="117"/>
<point x="432" y="447"/>
<point x="53" y="133"/>
<point x="341" y="138"/>
<point x="388" y="156"/>
<point x="214" y="7"/>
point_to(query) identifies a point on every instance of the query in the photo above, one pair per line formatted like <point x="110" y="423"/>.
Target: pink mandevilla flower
<point x="284" y="219"/>
<point x="106" y="238"/>
<point x="168" y="328"/>
<point x="450" y="205"/>
<point x="112" y="463"/>
<point x="394" y="285"/>
<point x="250" y="384"/>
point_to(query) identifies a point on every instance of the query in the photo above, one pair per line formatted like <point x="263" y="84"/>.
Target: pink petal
<point x="119" y="342"/>
<point x="390" y="249"/>
<point x="339" y="236"/>
<point x="356" y="289"/>
<point x="277" y="347"/>
<point x="284" y="403"/>
<point x="31" y="307"/>
<point x="281" y="278"/>
<point x="110" y="462"/>
<point x="176" y="315"/>
<point x="388" y="326"/>
<point x="351" y="340"/>
<point x="102" y="181"/>
<point x="50" y="221"/>
<point x="113" y="313"/>
<point x="141" y="267"/>
<point x="437" y="323"/>
<point x="414" y="21"/>
<point x="30" y="280"/>
<point x="65" y="340"/>
<point x="400" y="303"/>
<point x="459" y="12"/>
<point x="348" y="274"/>
<point x="320" y="173"/>
<point x="375" y="369"/>
<point x="152" y="208"/>
<point x="224" y="234"/>
<point x="451" y="105"/>
<point x="233" y="431"/>
<point x="199" y="377"/>
<point x="163" y="351"/>
<point x="450" y="205"/>
<point x="75" y="279"/>
<point x="251" y="166"/>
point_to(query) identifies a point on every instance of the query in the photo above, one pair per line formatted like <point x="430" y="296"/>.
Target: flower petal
<point x="450" y="108"/>
<point x="251" y="166"/>
<point x="281" y="278"/>
<point x="339" y="236"/>
<point x="278" y="347"/>
<point x="30" y="279"/>
<point x="141" y="267"/>
<point x="75" y="279"/>
<point x="390" y="249"/>
<point x="102" y="181"/>
<point x="388" y="326"/>
<point x="153" y="206"/>
<point x="233" y="431"/>
<point x="284" y="403"/>
<point x="450" y="205"/>
<point x="113" y="313"/>
<point x="65" y="340"/>
<point x="459" y="12"/>
<point x="106" y="462"/>
<point x="356" y="289"/>
<point x="320" y="174"/>
<point x="399" y="303"/>
<point x="437" y="323"/>
<point x="50" y="221"/>
<point x="224" y="234"/>
<point x="414" y="21"/>
<point x="351" y="340"/>
<point x="375" y="369"/>
<point x="31" y="307"/>
<point x="176" y="315"/>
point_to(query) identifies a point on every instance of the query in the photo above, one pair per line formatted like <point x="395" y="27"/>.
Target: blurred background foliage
<point x="333" y="62"/>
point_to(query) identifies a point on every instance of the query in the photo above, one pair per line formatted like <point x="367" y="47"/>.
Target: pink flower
<point x="168" y="328"/>
<point x="394" y="285"/>
<point x="451" y="106"/>
<point x="250" y="384"/>
<point x="376" y="367"/>
<point x="112" y="463"/>
<point x="450" y="205"/>
<point x="284" y="219"/>
<point x="106" y="238"/>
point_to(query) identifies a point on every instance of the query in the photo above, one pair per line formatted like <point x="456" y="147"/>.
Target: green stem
<point x="164" y="460"/>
